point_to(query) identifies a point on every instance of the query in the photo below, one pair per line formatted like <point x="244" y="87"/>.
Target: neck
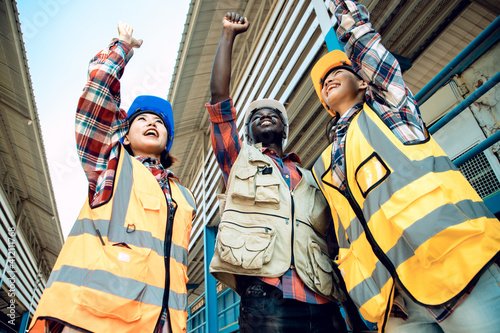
<point x="277" y="148"/>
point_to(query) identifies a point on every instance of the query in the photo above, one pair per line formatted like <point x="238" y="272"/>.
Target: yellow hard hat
<point x="329" y="61"/>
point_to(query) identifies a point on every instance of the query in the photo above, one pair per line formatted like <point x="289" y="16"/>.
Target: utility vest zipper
<point x="375" y="247"/>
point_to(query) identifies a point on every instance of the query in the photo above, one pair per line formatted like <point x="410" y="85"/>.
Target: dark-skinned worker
<point x="271" y="244"/>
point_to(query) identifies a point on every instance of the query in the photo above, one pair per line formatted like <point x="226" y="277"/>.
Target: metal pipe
<point x="477" y="149"/>
<point x="465" y="103"/>
<point x="488" y="35"/>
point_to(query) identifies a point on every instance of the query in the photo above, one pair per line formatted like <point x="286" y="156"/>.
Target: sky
<point x="60" y="37"/>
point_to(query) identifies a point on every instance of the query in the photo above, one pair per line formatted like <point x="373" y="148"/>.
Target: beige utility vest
<point x="265" y="228"/>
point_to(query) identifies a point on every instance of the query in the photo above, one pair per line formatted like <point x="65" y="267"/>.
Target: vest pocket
<point x="244" y="185"/>
<point x="267" y="191"/>
<point x="115" y="285"/>
<point x="429" y="223"/>
<point x="370" y="173"/>
<point x="249" y="247"/>
<point x="321" y="269"/>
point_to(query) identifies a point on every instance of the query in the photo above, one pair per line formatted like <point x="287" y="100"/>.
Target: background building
<point x="30" y="232"/>
<point x="274" y="58"/>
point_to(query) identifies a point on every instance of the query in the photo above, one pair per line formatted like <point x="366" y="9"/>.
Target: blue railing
<point x="490" y="36"/>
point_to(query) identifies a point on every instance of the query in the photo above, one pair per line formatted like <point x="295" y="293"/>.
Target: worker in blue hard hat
<point x="123" y="266"/>
<point x="146" y="136"/>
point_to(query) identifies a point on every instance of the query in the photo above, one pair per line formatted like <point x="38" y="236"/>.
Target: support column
<point x="211" y="310"/>
<point x="326" y="23"/>
<point x="24" y="322"/>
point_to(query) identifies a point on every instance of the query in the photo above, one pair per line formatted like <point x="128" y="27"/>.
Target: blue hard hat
<point x="158" y="106"/>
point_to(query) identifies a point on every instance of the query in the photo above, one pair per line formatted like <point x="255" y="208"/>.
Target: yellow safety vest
<point x="110" y="274"/>
<point x="408" y="215"/>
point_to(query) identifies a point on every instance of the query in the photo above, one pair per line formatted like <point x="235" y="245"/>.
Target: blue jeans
<point x="479" y="312"/>
<point x="263" y="309"/>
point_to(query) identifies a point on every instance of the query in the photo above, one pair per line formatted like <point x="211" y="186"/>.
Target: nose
<point x="327" y="80"/>
<point x="151" y="122"/>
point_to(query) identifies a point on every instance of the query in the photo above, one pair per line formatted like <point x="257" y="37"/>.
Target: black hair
<point x="330" y="125"/>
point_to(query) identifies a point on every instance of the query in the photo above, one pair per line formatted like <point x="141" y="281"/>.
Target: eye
<point x="255" y="117"/>
<point x="141" y="118"/>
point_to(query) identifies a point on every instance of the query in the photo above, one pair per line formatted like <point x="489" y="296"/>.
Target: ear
<point x="284" y="135"/>
<point x="363" y="84"/>
<point x="126" y="141"/>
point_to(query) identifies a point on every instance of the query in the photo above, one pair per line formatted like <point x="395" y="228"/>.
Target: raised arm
<point x="380" y="69"/>
<point x="370" y="59"/>
<point x="100" y="123"/>
<point x="232" y="25"/>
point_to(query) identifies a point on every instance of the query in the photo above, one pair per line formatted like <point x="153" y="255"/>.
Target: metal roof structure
<point x="26" y="199"/>
<point x="274" y="58"/>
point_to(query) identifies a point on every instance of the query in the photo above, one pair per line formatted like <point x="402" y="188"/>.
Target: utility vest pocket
<point x="253" y="187"/>
<point x="321" y="268"/>
<point x="249" y="247"/>
<point x="115" y="285"/>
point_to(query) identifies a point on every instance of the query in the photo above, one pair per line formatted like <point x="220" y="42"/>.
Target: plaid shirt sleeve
<point x="387" y="94"/>
<point x="225" y="138"/>
<point x="100" y="123"/>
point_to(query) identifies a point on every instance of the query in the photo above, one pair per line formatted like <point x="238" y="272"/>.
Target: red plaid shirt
<point x="226" y="144"/>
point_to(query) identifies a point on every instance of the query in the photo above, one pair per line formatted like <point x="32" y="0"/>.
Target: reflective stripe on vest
<point x="70" y="274"/>
<point x="141" y="238"/>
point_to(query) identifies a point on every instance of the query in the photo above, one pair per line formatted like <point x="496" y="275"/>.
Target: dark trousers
<point x="264" y="310"/>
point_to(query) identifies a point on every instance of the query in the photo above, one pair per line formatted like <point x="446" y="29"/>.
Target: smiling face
<point x="147" y="135"/>
<point x="267" y="127"/>
<point x="342" y="89"/>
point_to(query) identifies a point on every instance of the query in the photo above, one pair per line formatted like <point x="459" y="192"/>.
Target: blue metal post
<point x="24" y="322"/>
<point x="332" y="43"/>
<point x="212" y="320"/>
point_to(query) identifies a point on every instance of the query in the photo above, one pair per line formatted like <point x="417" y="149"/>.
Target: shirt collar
<point x="349" y="115"/>
<point x="154" y="163"/>
<point x="290" y="156"/>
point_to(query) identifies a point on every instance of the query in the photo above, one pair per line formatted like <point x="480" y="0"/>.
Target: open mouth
<point x="332" y="86"/>
<point x="266" y="122"/>
<point x="151" y="132"/>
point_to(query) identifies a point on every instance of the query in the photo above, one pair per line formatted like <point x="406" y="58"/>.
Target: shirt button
<point x="287" y="176"/>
